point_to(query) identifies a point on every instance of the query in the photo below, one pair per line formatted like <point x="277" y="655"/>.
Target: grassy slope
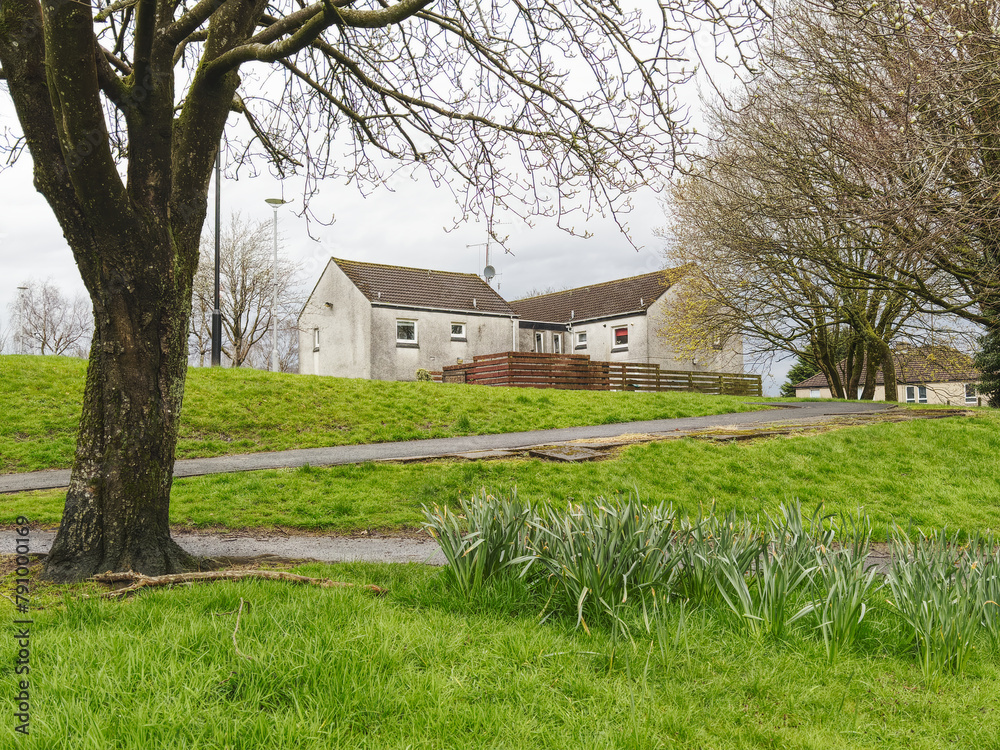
<point x="243" y="411"/>
<point x="938" y="472"/>
<point x="421" y="668"/>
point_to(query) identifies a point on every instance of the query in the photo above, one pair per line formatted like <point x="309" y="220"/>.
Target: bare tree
<point x="47" y="322"/>
<point x="802" y="215"/>
<point x="245" y="293"/>
<point x="287" y="342"/>
<point x="122" y="105"/>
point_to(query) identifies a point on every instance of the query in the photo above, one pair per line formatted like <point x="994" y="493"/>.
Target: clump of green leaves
<point x="843" y="583"/>
<point x="936" y="591"/>
<point x="601" y="558"/>
<point x="599" y="552"/>
<point x="488" y="535"/>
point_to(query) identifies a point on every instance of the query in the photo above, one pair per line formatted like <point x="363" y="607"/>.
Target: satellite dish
<point x="489" y="272"/>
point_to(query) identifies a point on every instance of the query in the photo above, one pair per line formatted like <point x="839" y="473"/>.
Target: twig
<point x="238" y="614"/>
<point x="138" y="580"/>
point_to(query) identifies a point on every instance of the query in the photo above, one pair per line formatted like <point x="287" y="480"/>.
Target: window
<point x="717" y="342"/>
<point x="861" y="391"/>
<point x="406" y="333"/>
<point x="970" y="393"/>
<point x="315" y="339"/>
<point x="581" y="339"/>
<point x="458" y="331"/>
<point x="557" y="343"/>
<point x="539" y="342"/>
<point x="621" y="338"/>
<point x="814" y="393"/>
<point x="916" y="394"/>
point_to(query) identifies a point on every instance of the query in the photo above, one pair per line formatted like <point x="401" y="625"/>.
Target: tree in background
<point x="245" y="293"/>
<point x="803" y="369"/>
<point x="45" y="321"/>
<point x="521" y="106"/>
<point x="912" y="97"/>
<point x="987" y="361"/>
<point x="816" y="210"/>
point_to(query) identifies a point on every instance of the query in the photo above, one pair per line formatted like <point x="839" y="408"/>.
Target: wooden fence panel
<point x="578" y="372"/>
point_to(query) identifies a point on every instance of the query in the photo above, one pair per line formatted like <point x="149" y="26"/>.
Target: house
<point x="381" y="322"/>
<point x="924" y="375"/>
<point x="617" y="321"/>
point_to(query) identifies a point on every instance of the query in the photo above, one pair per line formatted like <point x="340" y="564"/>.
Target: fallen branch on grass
<point x="138" y="580"/>
<point x="238" y="614"/>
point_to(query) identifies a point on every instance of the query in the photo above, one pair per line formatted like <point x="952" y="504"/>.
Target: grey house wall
<point x="435" y="347"/>
<point x="343" y="317"/>
<point x="728" y="357"/>
<point x="645" y="341"/>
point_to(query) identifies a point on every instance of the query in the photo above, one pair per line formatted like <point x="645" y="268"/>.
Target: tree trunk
<point x="888" y="371"/>
<point x="871" y="373"/>
<point x="117" y="507"/>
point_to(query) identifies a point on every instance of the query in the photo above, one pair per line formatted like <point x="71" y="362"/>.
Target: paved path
<point x="410" y="449"/>
<point x="386" y="548"/>
<point x="260" y="543"/>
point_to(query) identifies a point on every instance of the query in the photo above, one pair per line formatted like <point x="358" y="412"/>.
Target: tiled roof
<point x="420" y="287"/>
<point x="607" y="299"/>
<point x="919" y="364"/>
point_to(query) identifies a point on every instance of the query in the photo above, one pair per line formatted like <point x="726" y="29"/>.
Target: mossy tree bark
<point x="136" y="245"/>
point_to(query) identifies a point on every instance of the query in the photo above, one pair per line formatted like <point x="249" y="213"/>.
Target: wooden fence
<point x="578" y="372"/>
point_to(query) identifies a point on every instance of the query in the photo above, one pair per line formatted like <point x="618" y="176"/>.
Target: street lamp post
<point x="274" y="203"/>
<point x="20" y="319"/>
<point x="216" y="312"/>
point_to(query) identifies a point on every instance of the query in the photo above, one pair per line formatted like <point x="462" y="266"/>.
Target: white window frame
<point x="973" y="397"/>
<point x="460" y="335"/>
<point x="615" y="346"/>
<point x="539" y="342"/>
<point x="581" y="339"/>
<point x="315" y="339"/>
<point x="814" y="393"/>
<point x="557" y="343"/>
<point x="916" y="394"/>
<point x="404" y="341"/>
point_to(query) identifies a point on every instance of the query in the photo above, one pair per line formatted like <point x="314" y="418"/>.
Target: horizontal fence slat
<point x="578" y="371"/>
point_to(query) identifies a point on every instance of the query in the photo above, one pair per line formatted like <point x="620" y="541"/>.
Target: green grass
<point x="940" y="472"/>
<point x="424" y="668"/>
<point x="229" y="411"/>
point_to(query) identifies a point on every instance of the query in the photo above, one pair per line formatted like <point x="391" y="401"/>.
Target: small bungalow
<point x="382" y="322"/>
<point x="617" y="321"/>
<point x="924" y="375"/>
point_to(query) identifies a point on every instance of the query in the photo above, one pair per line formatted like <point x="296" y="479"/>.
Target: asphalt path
<point x="439" y="447"/>
<point x="375" y="547"/>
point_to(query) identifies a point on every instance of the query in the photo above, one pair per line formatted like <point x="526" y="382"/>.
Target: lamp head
<point x="275" y="202"/>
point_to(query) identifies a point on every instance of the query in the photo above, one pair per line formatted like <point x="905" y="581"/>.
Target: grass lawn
<point x="230" y="411"/>
<point x="941" y="472"/>
<point x="422" y="668"/>
<point x="270" y="665"/>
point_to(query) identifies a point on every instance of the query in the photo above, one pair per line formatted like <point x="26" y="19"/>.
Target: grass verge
<point x="425" y="668"/>
<point x="228" y="411"/>
<point x="938" y="473"/>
